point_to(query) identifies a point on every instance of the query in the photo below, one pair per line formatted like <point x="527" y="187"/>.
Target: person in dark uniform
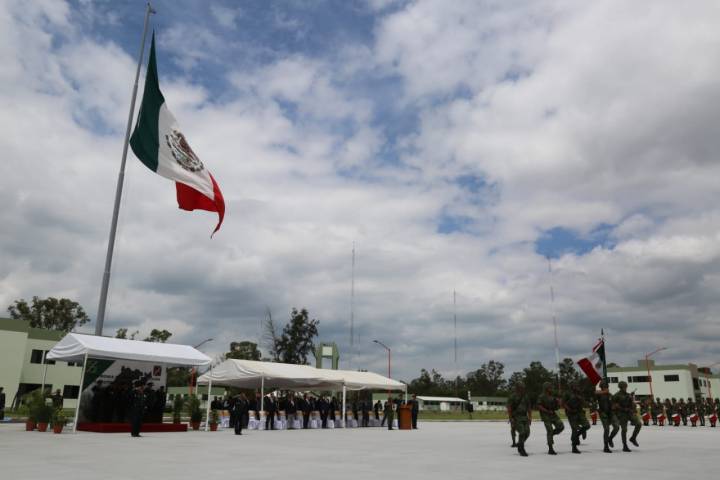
<point x="607" y="416"/>
<point x="323" y="406"/>
<point x="2" y="403"/>
<point x="240" y="409"/>
<point x="376" y="409"/>
<point x="137" y="409"/>
<point x="160" y="401"/>
<point x="389" y="413"/>
<point x="333" y="406"/>
<point x="414" y="409"/>
<point x="270" y="408"/>
<point x="57" y="399"/>
<point x="365" y="413"/>
<point x="306" y="408"/>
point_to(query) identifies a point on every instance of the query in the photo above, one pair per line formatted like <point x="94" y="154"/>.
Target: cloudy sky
<point x="458" y="144"/>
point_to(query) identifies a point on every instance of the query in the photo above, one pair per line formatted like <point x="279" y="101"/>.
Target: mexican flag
<point x="593" y="365"/>
<point x="160" y="144"/>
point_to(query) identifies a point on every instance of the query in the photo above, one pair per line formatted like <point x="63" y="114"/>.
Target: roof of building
<point x="21" y="326"/>
<point x="488" y="399"/>
<point x="440" y="399"/>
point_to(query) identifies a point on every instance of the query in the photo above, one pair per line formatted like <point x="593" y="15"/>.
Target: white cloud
<point x="574" y="116"/>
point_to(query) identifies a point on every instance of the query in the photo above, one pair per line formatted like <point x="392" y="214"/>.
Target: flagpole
<point x="602" y="336"/>
<point x="118" y="190"/>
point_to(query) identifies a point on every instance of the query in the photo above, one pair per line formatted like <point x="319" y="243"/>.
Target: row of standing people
<point x="675" y="412"/>
<point x="239" y="407"/>
<point x="113" y="402"/>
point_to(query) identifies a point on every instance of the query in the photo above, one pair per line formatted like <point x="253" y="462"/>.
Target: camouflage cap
<point x="622" y="384"/>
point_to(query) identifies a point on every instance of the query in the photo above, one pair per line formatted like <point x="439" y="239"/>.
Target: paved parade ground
<point x="442" y="450"/>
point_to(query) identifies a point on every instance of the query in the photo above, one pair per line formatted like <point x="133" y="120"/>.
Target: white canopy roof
<point x="440" y="399"/>
<point x="74" y="346"/>
<point x="252" y="374"/>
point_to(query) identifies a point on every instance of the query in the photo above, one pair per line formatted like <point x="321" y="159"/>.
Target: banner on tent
<point x="108" y="383"/>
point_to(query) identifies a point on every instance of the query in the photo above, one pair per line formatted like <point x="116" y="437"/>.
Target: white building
<point x="495" y="404"/>
<point x="442" y="404"/>
<point x="668" y="381"/>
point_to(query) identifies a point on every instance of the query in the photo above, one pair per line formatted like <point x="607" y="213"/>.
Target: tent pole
<point x="405" y="393"/>
<point x="262" y="394"/>
<point x="42" y="389"/>
<point x="80" y="392"/>
<point x="344" y="410"/>
<point x="207" y="406"/>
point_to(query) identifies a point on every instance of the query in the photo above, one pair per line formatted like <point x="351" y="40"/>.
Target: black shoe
<point x="575" y="450"/>
<point x="626" y="449"/>
<point x="634" y="442"/>
<point x="521" y="451"/>
<point x="551" y="451"/>
<point x="514" y="445"/>
<point x="610" y="442"/>
<point x="607" y="449"/>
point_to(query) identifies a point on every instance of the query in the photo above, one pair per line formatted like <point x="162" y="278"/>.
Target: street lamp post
<point x="389" y="358"/>
<point x="647" y="365"/>
<point x="194" y="369"/>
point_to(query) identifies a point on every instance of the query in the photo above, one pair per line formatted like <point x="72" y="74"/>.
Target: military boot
<point x="633" y="440"/>
<point x="575" y="449"/>
<point x="607" y="449"/>
<point x="551" y="451"/>
<point x="521" y="450"/>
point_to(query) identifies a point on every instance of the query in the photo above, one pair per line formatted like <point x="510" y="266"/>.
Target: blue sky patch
<point x="558" y="241"/>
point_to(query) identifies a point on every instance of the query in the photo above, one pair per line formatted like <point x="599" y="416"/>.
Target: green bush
<point x="58" y="417"/>
<point x="36" y="407"/>
<point x="214" y="417"/>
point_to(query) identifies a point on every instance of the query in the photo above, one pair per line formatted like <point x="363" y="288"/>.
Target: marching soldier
<point x="513" y="431"/>
<point x="548" y="405"/>
<point x="520" y="412"/>
<point x="607" y="416"/>
<point x="701" y="410"/>
<point x="574" y="411"/>
<point x="692" y="412"/>
<point x="624" y="406"/>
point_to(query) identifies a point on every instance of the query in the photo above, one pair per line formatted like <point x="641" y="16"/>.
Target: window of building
<point x="696" y="384"/>
<point x="672" y="378"/>
<point x="71" y="391"/>
<point x="639" y="379"/>
<point x="204" y="396"/>
<point x="36" y="356"/>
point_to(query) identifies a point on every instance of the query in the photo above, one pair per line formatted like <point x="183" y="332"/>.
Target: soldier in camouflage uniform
<point x="520" y="412"/>
<point x="624" y="406"/>
<point x="548" y="405"/>
<point x="691" y="410"/>
<point x="701" y="411"/>
<point x="607" y="416"/>
<point x="575" y="414"/>
<point x="655" y="410"/>
<point x="513" y="432"/>
<point x="682" y="410"/>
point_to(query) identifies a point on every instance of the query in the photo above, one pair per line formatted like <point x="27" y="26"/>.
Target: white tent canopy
<point x="253" y="374"/>
<point x="74" y="346"/>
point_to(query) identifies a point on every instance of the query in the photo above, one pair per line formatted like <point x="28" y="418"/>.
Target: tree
<point x="488" y="379"/>
<point x="296" y="341"/>
<point x="50" y="313"/>
<point x="243" y="351"/>
<point x="271" y="338"/>
<point x="158" y="336"/>
<point x="569" y="376"/>
<point x="122" y="333"/>
<point x="535" y="376"/>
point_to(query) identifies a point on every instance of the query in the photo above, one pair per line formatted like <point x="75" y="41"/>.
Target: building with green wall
<point x="22" y="352"/>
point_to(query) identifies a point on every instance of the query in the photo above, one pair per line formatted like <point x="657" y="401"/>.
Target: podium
<point x="405" y="417"/>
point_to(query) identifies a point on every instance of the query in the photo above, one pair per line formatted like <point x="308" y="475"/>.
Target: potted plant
<point x="178" y="406"/>
<point x="214" y="420"/>
<point x="44" y="415"/>
<point x="33" y="402"/>
<point x="58" y="420"/>
<point x="193" y="407"/>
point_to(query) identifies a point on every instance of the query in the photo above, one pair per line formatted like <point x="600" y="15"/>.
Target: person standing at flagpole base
<point x="161" y="145"/>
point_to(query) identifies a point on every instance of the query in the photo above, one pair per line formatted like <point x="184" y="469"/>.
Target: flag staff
<point x="118" y="191"/>
<point x="604" y="358"/>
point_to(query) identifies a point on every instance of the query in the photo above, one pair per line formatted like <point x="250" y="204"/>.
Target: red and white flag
<point x="592" y="365"/>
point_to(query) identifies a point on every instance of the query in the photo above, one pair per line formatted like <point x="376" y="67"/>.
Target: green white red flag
<point x="160" y="144"/>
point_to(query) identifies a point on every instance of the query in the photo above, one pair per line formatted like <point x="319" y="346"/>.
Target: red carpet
<point x="125" y="427"/>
